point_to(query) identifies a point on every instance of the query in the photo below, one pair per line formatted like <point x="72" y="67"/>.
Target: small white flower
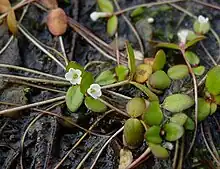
<point x="183" y="35"/>
<point x="202" y="19"/>
<point x="74" y="76"/>
<point x="96" y="15"/>
<point x="94" y="91"/>
<point x="138" y="55"/>
<point x="150" y="20"/>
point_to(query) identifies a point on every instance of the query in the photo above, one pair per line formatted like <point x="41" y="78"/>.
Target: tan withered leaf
<point x="4" y="6"/>
<point x="11" y="21"/>
<point x="50" y="4"/>
<point x="57" y="21"/>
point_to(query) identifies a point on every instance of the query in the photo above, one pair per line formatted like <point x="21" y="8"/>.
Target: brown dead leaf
<point x="50" y="4"/>
<point x="57" y="21"/>
<point x="4" y="6"/>
<point x="11" y="21"/>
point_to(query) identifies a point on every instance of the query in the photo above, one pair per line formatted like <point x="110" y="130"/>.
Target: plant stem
<point x="180" y="163"/>
<point x="116" y="84"/>
<point x="6" y="45"/>
<point x="92" y="63"/>
<point x="207" y="4"/>
<point x="119" y="95"/>
<point x="32" y="71"/>
<point x="146" y="5"/>
<point x="104" y="146"/>
<point x="175" y="154"/>
<point x="195" y="98"/>
<point x="63" y="50"/>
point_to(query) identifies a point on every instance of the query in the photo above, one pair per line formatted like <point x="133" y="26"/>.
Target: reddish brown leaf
<point x="4" y="6"/>
<point x="50" y="4"/>
<point x="57" y="21"/>
<point x="11" y="21"/>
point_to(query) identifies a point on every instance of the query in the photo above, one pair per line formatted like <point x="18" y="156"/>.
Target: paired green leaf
<point x="168" y="45"/>
<point x="177" y="102"/>
<point x="74" y="65"/>
<point x="131" y="58"/>
<point x="95" y="105"/>
<point x="159" y="80"/>
<point x="179" y="118"/>
<point x="213" y="81"/>
<point x="137" y="11"/>
<point x="153" y="135"/>
<point x="105" y="6"/>
<point x="105" y="78"/>
<point x="204" y="108"/>
<point x="158" y="151"/>
<point x="74" y="98"/>
<point x="87" y="80"/>
<point x="121" y="72"/>
<point x="153" y="115"/>
<point x="136" y="107"/>
<point x="194" y="41"/>
<point x="159" y="61"/>
<point x="198" y="70"/>
<point x="173" y="131"/>
<point x="192" y="58"/>
<point x="189" y="124"/>
<point x="112" y="25"/>
<point x="178" y="72"/>
<point x="145" y="90"/>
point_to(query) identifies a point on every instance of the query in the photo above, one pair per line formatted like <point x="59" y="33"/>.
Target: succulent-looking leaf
<point x="143" y="71"/>
<point x="217" y="99"/>
<point x="153" y="115"/>
<point x="105" y="6"/>
<point x="189" y="124"/>
<point x="159" y="61"/>
<point x="4" y="6"/>
<point x="136" y="107"/>
<point x="143" y="88"/>
<point x="173" y="131"/>
<point x="199" y="70"/>
<point x="121" y="72"/>
<point x="87" y="80"/>
<point x="126" y="158"/>
<point x="158" y="151"/>
<point x="178" y="72"/>
<point x="112" y="25"/>
<point x="11" y="21"/>
<point x="74" y="65"/>
<point x="153" y="135"/>
<point x="133" y="132"/>
<point x="213" y="81"/>
<point x="159" y="80"/>
<point x="131" y="58"/>
<point x="194" y="41"/>
<point x="177" y="102"/>
<point x="157" y="91"/>
<point x="179" y="118"/>
<point x="105" y="78"/>
<point x="168" y="45"/>
<point x="137" y="11"/>
<point x="204" y="108"/>
<point x="191" y="35"/>
<point x="95" y="105"/>
<point x="57" y="21"/>
<point x="192" y="58"/>
<point x="74" y="98"/>
<point x="213" y="108"/>
<point x="50" y="4"/>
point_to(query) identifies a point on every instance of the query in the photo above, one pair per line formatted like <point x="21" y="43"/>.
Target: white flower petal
<point x="71" y="70"/>
<point x="94" y="91"/>
<point x="69" y="76"/>
<point x="78" y="72"/>
<point x="150" y="20"/>
<point x="138" y="55"/>
<point x="96" y="15"/>
<point x="95" y="86"/>
<point x="202" y="19"/>
<point x="183" y="35"/>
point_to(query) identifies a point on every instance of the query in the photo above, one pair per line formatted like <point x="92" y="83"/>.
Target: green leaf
<point x="201" y="28"/>
<point x="198" y="71"/>
<point x="136" y="107"/>
<point x="95" y="105"/>
<point x="131" y="58"/>
<point x="159" y="80"/>
<point x="179" y="118"/>
<point x="213" y="108"/>
<point x="213" y="81"/>
<point x="217" y="99"/>
<point x="189" y="124"/>
<point x="145" y="90"/>
<point x="168" y="45"/>
<point x="159" y="61"/>
<point x="153" y="135"/>
<point x="87" y="80"/>
<point x="143" y="72"/>
<point x="121" y="72"/>
<point x="106" y="78"/>
<point x="192" y="58"/>
<point x="153" y="115"/>
<point x="74" y="98"/>
<point x="192" y="42"/>
<point x="177" y="102"/>
<point x="178" y="72"/>
<point x="105" y="6"/>
<point x="204" y="108"/>
<point x="137" y="11"/>
<point x="158" y="151"/>
<point x="133" y="132"/>
<point x="74" y="65"/>
<point x="173" y="131"/>
<point x="112" y="25"/>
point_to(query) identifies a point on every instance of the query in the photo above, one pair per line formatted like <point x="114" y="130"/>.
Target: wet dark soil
<point x="47" y="141"/>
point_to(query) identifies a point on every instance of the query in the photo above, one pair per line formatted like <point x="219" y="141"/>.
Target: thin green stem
<point x="180" y="163"/>
<point x="119" y="95"/>
<point x="36" y="80"/>
<point x="32" y="71"/>
<point x="116" y="84"/>
<point x="63" y="50"/>
<point x="175" y="154"/>
<point x="92" y="63"/>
